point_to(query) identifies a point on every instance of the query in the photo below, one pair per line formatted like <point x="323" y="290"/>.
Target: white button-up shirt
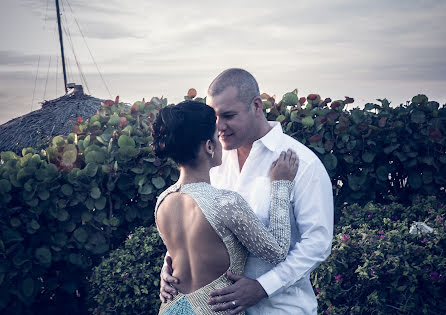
<point x="287" y="284"/>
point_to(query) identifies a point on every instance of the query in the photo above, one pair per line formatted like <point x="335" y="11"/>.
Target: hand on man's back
<point x="167" y="291"/>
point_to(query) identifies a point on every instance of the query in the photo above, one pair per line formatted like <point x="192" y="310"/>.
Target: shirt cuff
<point x="270" y="282"/>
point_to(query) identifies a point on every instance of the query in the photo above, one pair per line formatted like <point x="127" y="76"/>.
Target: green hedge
<point x="378" y="153"/>
<point x="127" y="281"/>
<point x="378" y="266"/>
<point x="64" y="207"/>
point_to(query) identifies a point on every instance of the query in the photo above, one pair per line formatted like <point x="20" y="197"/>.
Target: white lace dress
<point x="240" y="230"/>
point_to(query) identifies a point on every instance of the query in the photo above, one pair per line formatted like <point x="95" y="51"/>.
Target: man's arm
<point x="313" y="211"/>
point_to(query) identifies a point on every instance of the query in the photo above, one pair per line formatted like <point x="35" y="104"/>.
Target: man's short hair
<point x="242" y="80"/>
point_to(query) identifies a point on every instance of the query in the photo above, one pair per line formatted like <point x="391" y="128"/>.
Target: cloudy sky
<point x="391" y="49"/>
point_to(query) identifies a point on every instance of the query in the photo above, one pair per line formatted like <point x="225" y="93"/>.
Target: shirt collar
<point x="271" y="139"/>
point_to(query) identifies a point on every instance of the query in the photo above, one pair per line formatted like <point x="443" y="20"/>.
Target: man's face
<point x="234" y="119"/>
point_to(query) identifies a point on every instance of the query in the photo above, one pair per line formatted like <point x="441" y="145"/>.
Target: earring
<point x="212" y="154"/>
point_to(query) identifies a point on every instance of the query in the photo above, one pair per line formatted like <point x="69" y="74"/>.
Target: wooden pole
<point x="61" y="46"/>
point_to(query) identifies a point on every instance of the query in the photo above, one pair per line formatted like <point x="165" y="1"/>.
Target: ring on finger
<point x="233" y="303"/>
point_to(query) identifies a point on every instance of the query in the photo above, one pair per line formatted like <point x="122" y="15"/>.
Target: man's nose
<point x="221" y="126"/>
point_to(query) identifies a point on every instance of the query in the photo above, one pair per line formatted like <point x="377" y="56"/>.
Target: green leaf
<point x="126" y="141"/>
<point x="114" y="221"/>
<point x="382" y="172"/>
<point x="368" y="156"/>
<point x="357" y="116"/>
<point x="415" y="180"/>
<point x="62" y="215"/>
<point x="86" y="216"/>
<point x="99" y="204"/>
<point x="80" y="234"/>
<point x="69" y="155"/>
<point x="158" y="182"/>
<point x="34" y="224"/>
<point x="354" y="182"/>
<point x="428" y="177"/>
<point x="91" y="169"/>
<point x="67" y="189"/>
<point x="58" y="141"/>
<point x="146" y="189"/>
<point x="28" y="287"/>
<point x="43" y="255"/>
<point x="15" y="222"/>
<point x="308" y="121"/>
<point x="95" y="193"/>
<point x="391" y="148"/>
<point x="44" y="194"/>
<point x="330" y="161"/>
<point x="5" y="186"/>
<point x="418" y="117"/>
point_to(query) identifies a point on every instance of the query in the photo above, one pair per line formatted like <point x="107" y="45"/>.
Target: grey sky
<point x="363" y="49"/>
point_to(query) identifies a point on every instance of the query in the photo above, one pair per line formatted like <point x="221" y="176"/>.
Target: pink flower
<point x="345" y="237"/>
<point x="380" y="232"/>
<point x="435" y="276"/>
<point x="439" y="219"/>
<point x="371" y="240"/>
<point x="369" y="216"/>
<point x="424" y="240"/>
<point x="373" y="254"/>
<point x="387" y="246"/>
<point x="383" y="237"/>
<point x="318" y="290"/>
<point x="338" y="278"/>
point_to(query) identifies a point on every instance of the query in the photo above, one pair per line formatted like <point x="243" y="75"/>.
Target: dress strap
<point x="174" y="188"/>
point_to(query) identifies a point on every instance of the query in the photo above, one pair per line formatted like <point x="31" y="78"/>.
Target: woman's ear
<point x="209" y="147"/>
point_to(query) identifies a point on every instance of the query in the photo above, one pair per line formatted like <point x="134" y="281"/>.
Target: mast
<point x="61" y="46"/>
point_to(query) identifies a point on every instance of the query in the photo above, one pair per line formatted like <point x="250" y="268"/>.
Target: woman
<point x="208" y="231"/>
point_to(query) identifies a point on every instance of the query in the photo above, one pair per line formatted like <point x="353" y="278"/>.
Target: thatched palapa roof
<point x="55" y="118"/>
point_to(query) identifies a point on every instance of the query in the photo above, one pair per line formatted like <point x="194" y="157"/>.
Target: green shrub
<point x="377" y="266"/>
<point x="127" y="281"/>
<point x="374" y="153"/>
<point x="64" y="207"/>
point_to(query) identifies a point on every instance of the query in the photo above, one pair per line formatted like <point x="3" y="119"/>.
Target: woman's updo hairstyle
<point x="178" y="130"/>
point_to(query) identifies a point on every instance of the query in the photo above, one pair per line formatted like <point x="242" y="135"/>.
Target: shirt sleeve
<point x="272" y="243"/>
<point x="313" y="212"/>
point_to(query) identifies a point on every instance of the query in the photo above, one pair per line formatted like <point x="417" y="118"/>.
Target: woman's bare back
<point x="199" y="255"/>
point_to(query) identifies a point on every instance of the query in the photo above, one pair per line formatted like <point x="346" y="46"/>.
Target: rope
<point x="70" y="41"/>
<point x="57" y="70"/>
<point x="46" y="81"/>
<point x="38" y="61"/>
<point x="35" y="83"/>
<point x="91" y="55"/>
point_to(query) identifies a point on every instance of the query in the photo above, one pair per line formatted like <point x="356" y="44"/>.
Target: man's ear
<point x="258" y="106"/>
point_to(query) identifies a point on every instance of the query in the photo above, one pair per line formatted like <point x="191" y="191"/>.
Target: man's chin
<point x="228" y="146"/>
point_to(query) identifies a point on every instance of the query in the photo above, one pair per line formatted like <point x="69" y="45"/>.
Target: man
<point x="251" y="144"/>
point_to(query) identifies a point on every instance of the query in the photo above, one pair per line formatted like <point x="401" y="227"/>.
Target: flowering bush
<point x="127" y="281"/>
<point x="378" y="266"/>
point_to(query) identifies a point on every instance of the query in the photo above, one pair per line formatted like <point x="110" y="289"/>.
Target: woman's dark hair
<point x="178" y="130"/>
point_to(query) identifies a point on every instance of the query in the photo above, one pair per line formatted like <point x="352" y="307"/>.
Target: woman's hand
<point x="285" y="168"/>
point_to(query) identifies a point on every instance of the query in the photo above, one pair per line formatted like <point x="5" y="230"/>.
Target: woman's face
<point x="218" y="149"/>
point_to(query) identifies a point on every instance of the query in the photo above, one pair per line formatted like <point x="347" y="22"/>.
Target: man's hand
<point x="167" y="291"/>
<point x="244" y="292"/>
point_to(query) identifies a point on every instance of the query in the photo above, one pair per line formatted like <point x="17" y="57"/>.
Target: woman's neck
<point x="190" y="175"/>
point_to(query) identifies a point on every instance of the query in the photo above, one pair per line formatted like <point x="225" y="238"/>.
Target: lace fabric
<point x="240" y="230"/>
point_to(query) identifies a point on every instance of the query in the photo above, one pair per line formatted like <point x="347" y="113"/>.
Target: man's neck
<point x="243" y="152"/>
